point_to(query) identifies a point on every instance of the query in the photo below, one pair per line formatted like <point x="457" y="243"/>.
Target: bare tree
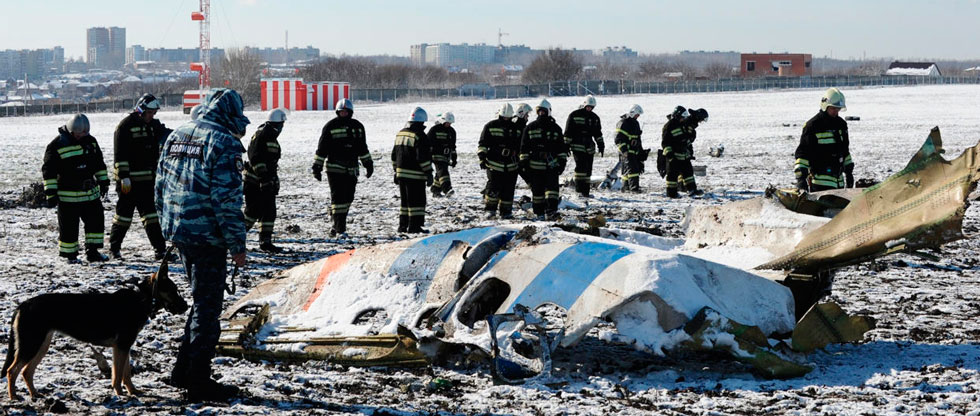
<point x="553" y="65"/>
<point x="240" y="70"/>
<point x="652" y="69"/>
<point x="716" y="70"/>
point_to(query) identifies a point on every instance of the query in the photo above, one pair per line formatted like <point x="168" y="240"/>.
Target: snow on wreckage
<point x="403" y="303"/>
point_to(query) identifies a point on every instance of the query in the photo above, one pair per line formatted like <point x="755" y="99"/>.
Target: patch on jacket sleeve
<point x="239" y="164"/>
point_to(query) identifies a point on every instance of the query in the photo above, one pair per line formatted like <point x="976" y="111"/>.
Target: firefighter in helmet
<point x="136" y="152"/>
<point x="823" y="158"/>
<point x="678" y="150"/>
<point x="262" y="178"/>
<point x="342" y="145"/>
<point x="583" y="135"/>
<point x="412" y="161"/>
<point x="631" y="152"/>
<point x="442" y="136"/>
<point x="75" y="178"/>
<point x="543" y="155"/>
<point x="499" y="144"/>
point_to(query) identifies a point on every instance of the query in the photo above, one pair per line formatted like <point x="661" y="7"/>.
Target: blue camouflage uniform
<point x="199" y="199"/>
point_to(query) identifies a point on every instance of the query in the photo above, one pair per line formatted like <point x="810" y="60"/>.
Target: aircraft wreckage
<point x="497" y="288"/>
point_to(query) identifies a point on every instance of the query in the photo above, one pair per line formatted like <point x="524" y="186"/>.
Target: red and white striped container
<point x="191" y="98"/>
<point x="323" y="96"/>
<point x="287" y="93"/>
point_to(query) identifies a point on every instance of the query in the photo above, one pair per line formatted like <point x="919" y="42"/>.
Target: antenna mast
<point x="204" y="66"/>
<point x="500" y="37"/>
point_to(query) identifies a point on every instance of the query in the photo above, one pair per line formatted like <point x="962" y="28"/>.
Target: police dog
<point x="104" y="319"/>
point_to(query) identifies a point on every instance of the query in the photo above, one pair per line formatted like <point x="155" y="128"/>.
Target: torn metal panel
<point x="921" y="206"/>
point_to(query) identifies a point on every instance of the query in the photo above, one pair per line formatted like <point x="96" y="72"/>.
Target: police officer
<point x="583" y="134"/>
<point x="74" y="179"/>
<point x="136" y="153"/>
<point x="678" y="137"/>
<point x="823" y="158"/>
<point x="499" y="144"/>
<point x="262" y="178"/>
<point x="342" y="144"/>
<point x="412" y="161"/>
<point x="631" y="152"/>
<point x="443" y="138"/>
<point x="544" y="154"/>
<point x="199" y="198"/>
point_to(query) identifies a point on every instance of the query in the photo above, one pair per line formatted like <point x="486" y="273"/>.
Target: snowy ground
<point x="923" y="358"/>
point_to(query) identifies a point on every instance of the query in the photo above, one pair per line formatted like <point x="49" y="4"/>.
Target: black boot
<point x="208" y="390"/>
<point x="93" y="256"/>
<point x="403" y="223"/>
<point x="672" y="193"/>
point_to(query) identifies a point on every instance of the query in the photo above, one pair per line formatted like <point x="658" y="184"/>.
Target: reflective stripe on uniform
<point x="69" y="151"/>
<point x="78" y="196"/>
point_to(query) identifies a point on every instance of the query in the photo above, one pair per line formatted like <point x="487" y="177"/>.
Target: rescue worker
<point x="442" y="136"/>
<point x="75" y="178"/>
<point x="342" y="144"/>
<point x="631" y="152"/>
<point x="679" y="134"/>
<point x="823" y="159"/>
<point x="412" y="161"/>
<point x="500" y="141"/>
<point x="136" y="153"/>
<point x="543" y="155"/>
<point x="583" y="134"/>
<point x="199" y="198"/>
<point x="262" y="179"/>
<point x="521" y="114"/>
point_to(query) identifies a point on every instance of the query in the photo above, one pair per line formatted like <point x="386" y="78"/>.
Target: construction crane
<point x="500" y="37"/>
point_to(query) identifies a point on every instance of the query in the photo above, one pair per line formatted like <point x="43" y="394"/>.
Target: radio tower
<point x="204" y="66"/>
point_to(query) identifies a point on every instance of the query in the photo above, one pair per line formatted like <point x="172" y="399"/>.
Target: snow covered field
<point x="923" y="358"/>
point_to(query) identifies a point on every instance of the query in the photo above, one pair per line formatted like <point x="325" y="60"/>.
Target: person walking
<point x="342" y="144"/>
<point x="412" y="161"/>
<point x="262" y="178"/>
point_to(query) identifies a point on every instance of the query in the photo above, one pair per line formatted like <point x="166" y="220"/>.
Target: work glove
<point x="368" y="170"/>
<point x="849" y="178"/>
<point x="52" y="202"/>
<point x="644" y="155"/>
<point x="396" y="179"/>
<point x="428" y="180"/>
<point x="561" y="165"/>
<point x="125" y="186"/>
<point x="524" y="164"/>
<point x="601" y="147"/>
<point x="483" y="160"/>
<point x="452" y="160"/>
<point x="316" y="173"/>
<point x="103" y="188"/>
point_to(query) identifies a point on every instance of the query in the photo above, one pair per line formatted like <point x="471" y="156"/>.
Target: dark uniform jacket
<point x="342" y="143"/>
<point x="823" y="150"/>
<point x="443" y="140"/>
<point x="678" y="138"/>
<point x="73" y="170"/>
<point x="263" y="156"/>
<point x="411" y="156"/>
<point x="580" y="130"/>
<point x="542" y="145"/>
<point x="628" y="136"/>
<point x="500" y="142"/>
<point x="136" y="148"/>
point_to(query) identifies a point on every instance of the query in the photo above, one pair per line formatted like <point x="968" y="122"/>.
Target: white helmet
<point x="419" y="115"/>
<point x="446" y="117"/>
<point x="277" y="115"/>
<point x="832" y="98"/>
<point x="196" y="111"/>
<point x="506" y="111"/>
<point x="344" y="104"/>
<point x="523" y="109"/>
<point x="589" y="101"/>
<point x="545" y="105"/>
<point x="635" y="111"/>
<point x="78" y="123"/>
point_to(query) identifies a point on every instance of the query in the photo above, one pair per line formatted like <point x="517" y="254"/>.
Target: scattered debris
<point x="716" y="151"/>
<point x="852" y="118"/>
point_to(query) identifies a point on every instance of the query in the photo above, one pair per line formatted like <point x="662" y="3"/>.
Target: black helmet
<point x="679" y="112"/>
<point x="147" y="102"/>
<point x="699" y="114"/>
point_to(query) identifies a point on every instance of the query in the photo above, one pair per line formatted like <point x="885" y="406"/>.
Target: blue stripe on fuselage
<point x="424" y="257"/>
<point x="564" y="279"/>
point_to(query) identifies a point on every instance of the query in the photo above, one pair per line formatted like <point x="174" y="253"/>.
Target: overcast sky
<point x="901" y="29"/>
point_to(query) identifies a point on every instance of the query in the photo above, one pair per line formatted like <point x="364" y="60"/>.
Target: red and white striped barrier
<point x="322" y="96"/>
<point x="289" y="93"/>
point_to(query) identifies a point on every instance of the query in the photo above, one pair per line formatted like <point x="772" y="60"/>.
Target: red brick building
<point x="776" y="64"/>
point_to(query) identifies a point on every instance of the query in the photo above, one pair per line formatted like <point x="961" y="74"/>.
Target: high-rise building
<point x="135" y="53"/>
<point x="105" y="47"/>
<point x="117" y="47"/>
<point x="97" y="47"/>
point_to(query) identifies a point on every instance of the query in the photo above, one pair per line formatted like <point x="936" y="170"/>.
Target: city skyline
<point x="900" y="29"/>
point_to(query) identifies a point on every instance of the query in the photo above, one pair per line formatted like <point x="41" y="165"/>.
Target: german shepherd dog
<point x="104" y="319"/>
